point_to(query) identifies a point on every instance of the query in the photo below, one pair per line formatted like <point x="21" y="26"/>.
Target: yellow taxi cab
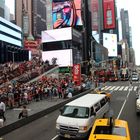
<point x="99" y="91"/>
<point x="110" y="129"/>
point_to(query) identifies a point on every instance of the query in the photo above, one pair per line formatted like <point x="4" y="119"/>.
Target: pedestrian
<point x="130" y="82"/>
<point x="23" y="113"/>
<point x="1" y="122"/>
<point x="2" y="110"/>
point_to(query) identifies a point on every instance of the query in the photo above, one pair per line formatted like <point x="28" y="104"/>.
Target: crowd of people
<point x="21" y="92"/>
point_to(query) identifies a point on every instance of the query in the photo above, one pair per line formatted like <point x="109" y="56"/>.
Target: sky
<point x="134" y="21"/>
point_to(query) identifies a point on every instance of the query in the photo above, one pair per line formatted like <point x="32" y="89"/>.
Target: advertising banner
<point x="110" y="42"/>
<point x="94" y="13"/>
<point x="109" y="14"/>
<point x="66" y="13"/>
<point x="77" y="74"/>
<point x="57" y="35"/>
<point x="63" y="58"/>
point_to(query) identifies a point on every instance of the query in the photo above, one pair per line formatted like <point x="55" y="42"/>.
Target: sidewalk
<point x="34" y="107"/>
<point x="36" y="110"/>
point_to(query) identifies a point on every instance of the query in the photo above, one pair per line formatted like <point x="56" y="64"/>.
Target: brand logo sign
<point x="77" y="74"/>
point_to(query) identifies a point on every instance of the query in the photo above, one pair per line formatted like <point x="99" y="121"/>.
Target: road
<point x="122" y="103"/>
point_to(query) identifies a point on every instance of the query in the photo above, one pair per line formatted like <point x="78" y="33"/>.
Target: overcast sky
<point x="133" y="7"/>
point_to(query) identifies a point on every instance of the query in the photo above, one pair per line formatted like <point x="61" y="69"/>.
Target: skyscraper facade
<point x="2" y="5"/>
<point x="125" y="26"/>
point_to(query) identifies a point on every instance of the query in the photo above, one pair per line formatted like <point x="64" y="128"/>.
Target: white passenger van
<point x="77" y="117"/>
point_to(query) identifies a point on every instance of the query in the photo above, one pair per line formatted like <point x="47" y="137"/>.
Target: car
<point x="138" y="104"/>
<point x="99" y="91"/>
<point x="110" y="129"/>
<point x="135" y="77"/>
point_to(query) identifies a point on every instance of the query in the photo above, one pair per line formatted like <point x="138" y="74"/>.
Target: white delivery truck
<point x="77" y="117"/>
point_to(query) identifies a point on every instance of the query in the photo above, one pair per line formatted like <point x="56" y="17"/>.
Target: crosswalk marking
<point x="104" y="87"/>
<point x="112" y="88"/>
<point x="131" y="88"/>
<point x="121" y="88"/>
<point x="108" y="88"/>
<point x="135" y="88"/>
<point x="117" y="88"/>
<point x="126" y="88"/>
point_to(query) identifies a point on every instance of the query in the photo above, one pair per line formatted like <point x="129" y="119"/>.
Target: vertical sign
<point x="77" y="74"/>
<point x="109" y="14"/>
<point x="25" y="24"/>
<point x="49" y="14"/>
<point x="94" y="13"/>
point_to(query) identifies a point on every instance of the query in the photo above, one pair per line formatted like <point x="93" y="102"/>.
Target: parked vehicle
<point x="135" y="77"/>
<point x="77" y="117"/>
<point x="124" y="74"/>
<point x="110" y="129"/>
<point x="138" y="104"/>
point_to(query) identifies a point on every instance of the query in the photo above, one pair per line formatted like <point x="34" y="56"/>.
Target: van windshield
<point x="75" y="112"/>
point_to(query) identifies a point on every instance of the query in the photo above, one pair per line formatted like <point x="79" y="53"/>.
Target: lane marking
<point x="19" y="109"/>
<point x="54" y="137"/>
<point x="123" y="105"/>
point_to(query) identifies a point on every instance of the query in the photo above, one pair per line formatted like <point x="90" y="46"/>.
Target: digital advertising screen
<point x="63" y="57"/>
<point x="66" y="13"/>
<point x="110" y="42"/>
<point x="57" y="35"/>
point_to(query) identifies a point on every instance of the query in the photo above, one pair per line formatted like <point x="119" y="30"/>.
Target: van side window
<point x="96" y="107"/>
<point x="91" y="111"/>
<point x="103" y="102"/>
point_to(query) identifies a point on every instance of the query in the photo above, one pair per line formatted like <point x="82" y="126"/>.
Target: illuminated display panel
<point x="64" y="57"/>
<point x="66" y="13"/>
<point x="110" y="42"/>
<point x="57" y="35"/>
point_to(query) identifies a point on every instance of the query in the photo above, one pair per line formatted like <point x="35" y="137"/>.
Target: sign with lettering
<point x="77" y="74"/>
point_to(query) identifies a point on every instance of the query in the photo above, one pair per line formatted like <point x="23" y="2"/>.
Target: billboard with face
<point x="66" y="13"/>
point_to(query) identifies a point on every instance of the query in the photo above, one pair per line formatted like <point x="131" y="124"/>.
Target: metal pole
<point x="13" y="57"/>
<point x="92" y="62"/>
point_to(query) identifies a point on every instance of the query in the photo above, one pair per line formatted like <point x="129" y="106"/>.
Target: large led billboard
<point x="110" y="42"/>
<point x="66" y="13"/>
<point x="57" y="35"/>
<point x="64" y="58"/>
<point x="10" y="32"/>
<point x="109" y="14"/>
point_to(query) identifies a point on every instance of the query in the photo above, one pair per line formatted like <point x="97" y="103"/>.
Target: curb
<point x="8" y="128"/>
